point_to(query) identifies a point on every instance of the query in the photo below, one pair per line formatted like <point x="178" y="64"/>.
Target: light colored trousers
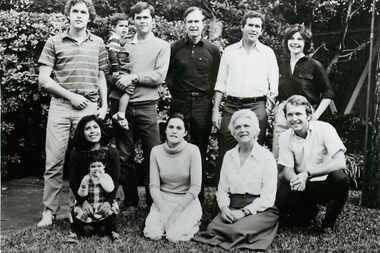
<point x="62" y="121"/>
<point x="280" y="126"/>
<point x="183" y="229"/>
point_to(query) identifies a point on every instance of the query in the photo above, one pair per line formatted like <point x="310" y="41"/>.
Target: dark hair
<point x="97" y="156"/>
<point x="115" y="18"/>
<point x="290" y="31"/>
<point x="79" y="140"/>
<point x="252" y="14"/>
<point x="88" y="3"/>
<point x="193" y="9"/>
<point x="299" y="100"/>
<point x="139" y="7"/>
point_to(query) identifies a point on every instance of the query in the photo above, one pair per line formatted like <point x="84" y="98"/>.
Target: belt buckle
<point x="195" y="94"/>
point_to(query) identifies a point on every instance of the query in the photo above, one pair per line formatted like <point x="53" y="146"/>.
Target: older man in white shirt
<point x="248" y="76"/>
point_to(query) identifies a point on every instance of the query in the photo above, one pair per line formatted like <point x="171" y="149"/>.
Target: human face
<point x="296" y="44"/>
<point x="96" y="169"/>
<point x="244" y="131"/>
<point x="194" y="24"/>
<point x="175" y="131"/>
<point x="92" y="132"/>
<point x="298" y="119"/>
<point x="79" y="16"/>
<point x="121" y="28"/>
<point x="252" y="30"/>
<point x="143" y="22"/>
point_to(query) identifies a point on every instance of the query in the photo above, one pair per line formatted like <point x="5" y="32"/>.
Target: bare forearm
<point x="335" y="163"/>
<point x="102" y="84"/>
<point x="218" y="96"/>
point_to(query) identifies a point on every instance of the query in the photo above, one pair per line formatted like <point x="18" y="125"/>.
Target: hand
<point x="124" y="81"/>
<point x="105" y="208"/>
<point x="237" y="214"/>
<point x="85" y="180"/>
<point x="216" y="119"/>
<point x="87" y="208"/>
<point x="227" y="215"/>
<point x="102" y="112"/>
<point x="78" y="101"/>
<point x="298" y="182"/>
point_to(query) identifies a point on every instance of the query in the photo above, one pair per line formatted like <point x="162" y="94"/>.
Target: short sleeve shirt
<point x="76" y="66"/>
<point x="320" y="144"/>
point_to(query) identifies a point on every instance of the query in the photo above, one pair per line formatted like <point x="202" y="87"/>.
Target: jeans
<point x="197" y="113"/>
<point x="301" y="207"/>
<point x="62" y="120"/>
<point x="143" y="124"/>
<point x="226" y="140"/>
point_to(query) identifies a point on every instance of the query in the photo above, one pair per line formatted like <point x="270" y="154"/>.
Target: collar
<point x="176" y="149"/>
<point x="135" y="40"/>
<point x="255" y="153"/>
<point x="259" y="46"/>
<point x="66" y="35"/>
<point x="188" y="41"/>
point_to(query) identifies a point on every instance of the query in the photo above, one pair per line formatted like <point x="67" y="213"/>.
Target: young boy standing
<point x="119" y="56"/>
<point x="72" y="66"/>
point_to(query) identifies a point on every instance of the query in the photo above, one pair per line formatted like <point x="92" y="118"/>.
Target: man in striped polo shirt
<point x="72" y="66"/>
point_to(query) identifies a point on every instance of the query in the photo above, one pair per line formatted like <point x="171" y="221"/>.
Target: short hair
<point x="193" y="9"/>
<point x="79" y="141"/>
<point x="98" y="155"/>
<point x="299" y="100"/>
<point x="305" y="34"/>
<point x="115" y="18"/>
<point x="90" y="6"/>
<point x="139" y="7"/>
<point x="252" y="14"/>
<point x="244" y="113"/>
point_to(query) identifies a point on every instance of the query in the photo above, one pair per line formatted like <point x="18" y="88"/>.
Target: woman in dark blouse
<point x="300" y="75"/>
<point x="90" y="142"/>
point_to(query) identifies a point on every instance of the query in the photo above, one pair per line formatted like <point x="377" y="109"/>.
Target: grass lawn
<point x="358" y="230"/>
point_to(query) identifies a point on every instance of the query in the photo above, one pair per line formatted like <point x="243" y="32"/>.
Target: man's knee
<point x="340" y="178"/>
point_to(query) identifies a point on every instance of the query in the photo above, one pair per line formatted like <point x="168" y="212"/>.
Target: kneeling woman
<point x="246" y="191"/>
<point x="175" y="182"/>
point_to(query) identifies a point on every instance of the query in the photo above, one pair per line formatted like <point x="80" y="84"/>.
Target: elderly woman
<point x="175" y="182"/>
<point x="246" y="191"/>
<point x="300" y="75"/>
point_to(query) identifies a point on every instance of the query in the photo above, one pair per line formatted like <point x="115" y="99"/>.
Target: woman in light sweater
<point x="175" y="182"/>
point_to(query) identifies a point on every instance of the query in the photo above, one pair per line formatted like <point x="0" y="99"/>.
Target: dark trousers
<point x="102" y="227"/>
<point x="226" y="141"/>
<point x="197" y="113"/>
<point x="143" y="124"/>
<point x="300" y="207"/>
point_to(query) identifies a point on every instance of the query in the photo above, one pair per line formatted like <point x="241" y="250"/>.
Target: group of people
<point x="256" y="186"/>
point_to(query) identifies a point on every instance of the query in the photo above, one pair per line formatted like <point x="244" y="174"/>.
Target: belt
<point x="191" y="94"/>
<point x="246" y="99"/>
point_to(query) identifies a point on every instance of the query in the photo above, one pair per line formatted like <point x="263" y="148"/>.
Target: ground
<point x="358" y="230"/>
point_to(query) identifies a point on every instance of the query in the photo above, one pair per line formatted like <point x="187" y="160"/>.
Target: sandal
<point x="115" y="236"/>
<point x="72" y="238"/>
<point x="121" y="121"/>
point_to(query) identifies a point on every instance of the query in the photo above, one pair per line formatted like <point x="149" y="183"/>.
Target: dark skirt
<point x="255" y="232"/>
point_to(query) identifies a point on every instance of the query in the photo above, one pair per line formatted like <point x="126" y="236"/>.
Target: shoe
<point x="121" y="121"/>
<point x="47" y="219"/>
<point x="72" y="238"/>
<point x="327" y="231"/>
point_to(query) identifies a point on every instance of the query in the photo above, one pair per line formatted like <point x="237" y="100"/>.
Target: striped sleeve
<point x="103" y="58"/>
<point x="47" y="56"/>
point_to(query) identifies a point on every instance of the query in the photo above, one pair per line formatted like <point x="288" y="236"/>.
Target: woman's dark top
<point x="309" y="79"/>
<point x="79" y="167"/>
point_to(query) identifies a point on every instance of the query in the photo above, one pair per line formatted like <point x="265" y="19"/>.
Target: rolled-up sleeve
<point x="221" y="81"/>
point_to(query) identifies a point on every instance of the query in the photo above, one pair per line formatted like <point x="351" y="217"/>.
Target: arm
<point x="324" y="85"/>
<point x="102" y="84"/>
<point x="154" y="181"/>
<point x="216" y="116"/>
<point x="273" y="76"/>
<point x="113" y="170"/>
<point x="106" y="182"/>
<point x="268" y="190"/>
<point x="286" y="157"/>
<point x="170" y="77"/>
<point x="77" y="173"/>
<point x="157" y="76"/>
<point x="46" y="82"/>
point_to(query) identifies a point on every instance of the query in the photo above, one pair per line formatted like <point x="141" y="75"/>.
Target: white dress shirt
<point x="248" y="73"/>
<point x="257" y="176"/>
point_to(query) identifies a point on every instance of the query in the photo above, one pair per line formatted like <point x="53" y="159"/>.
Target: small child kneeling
<point x="95" y="215"/>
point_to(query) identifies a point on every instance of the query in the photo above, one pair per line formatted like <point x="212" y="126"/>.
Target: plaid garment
<point x="96" y="197"/>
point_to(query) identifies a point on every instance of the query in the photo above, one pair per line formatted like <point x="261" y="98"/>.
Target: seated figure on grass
<point x="311" y="162"/>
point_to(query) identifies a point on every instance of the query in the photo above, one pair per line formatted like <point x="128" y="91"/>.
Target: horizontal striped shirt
<point x="75" y="65"/>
